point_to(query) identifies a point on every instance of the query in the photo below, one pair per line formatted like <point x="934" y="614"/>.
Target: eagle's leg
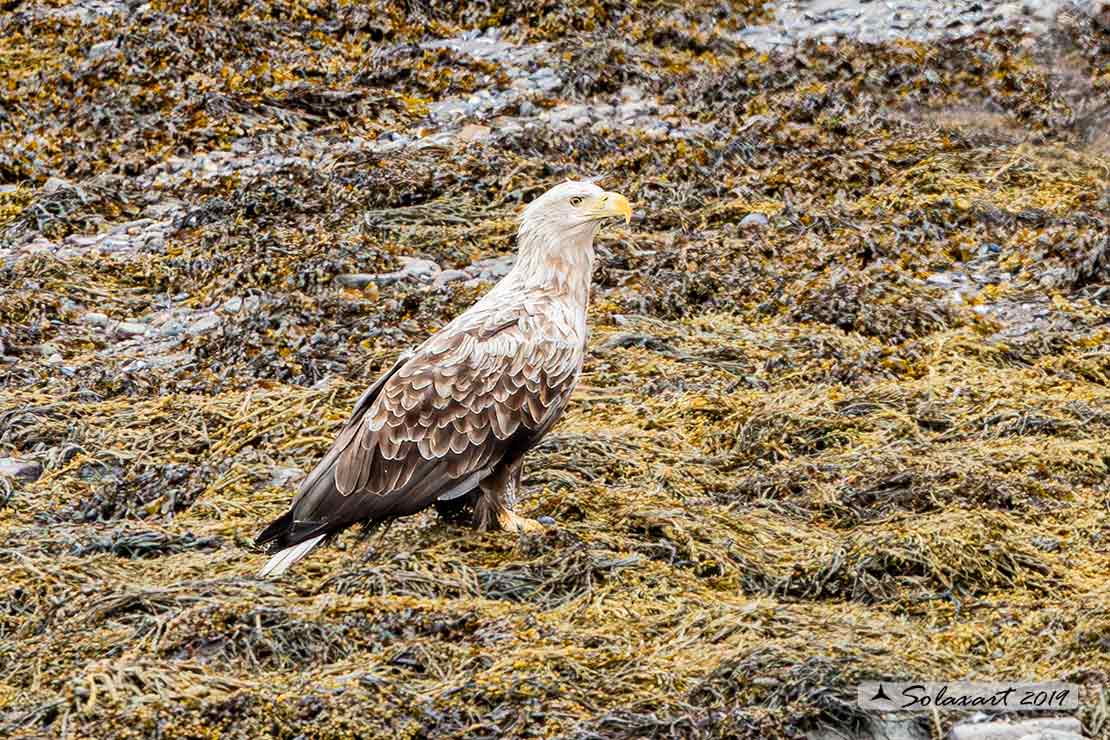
<point x="494" y="509"/>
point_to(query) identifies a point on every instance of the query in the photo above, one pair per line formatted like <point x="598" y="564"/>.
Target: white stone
<point x="281" y="477"/>
<point x="95" y="318"/>
<point x="418" y="267"/>
<point x="11" y="467"/>
<point x="1015" y="730"/>
<point x="131" y="328"/>
<point x="205" y="324"/>
<point x="754" y="221"/>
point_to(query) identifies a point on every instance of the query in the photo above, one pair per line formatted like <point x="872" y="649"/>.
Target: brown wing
<point x="464" y="403"/>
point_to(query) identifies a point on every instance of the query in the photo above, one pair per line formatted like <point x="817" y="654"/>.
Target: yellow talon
<point x="511" y="522"/>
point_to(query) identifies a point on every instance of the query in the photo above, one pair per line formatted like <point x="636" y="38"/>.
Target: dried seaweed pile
<point x="844" y="414"/>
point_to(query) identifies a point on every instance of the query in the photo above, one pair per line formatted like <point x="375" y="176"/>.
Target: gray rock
<point x="1052" y="735"/>
<point x="1017" y="730"/>
<point x="27" y="470"/>
<point x="53" y="184"/>
<point x="411" y="268"/>
<point x="357" y="279"/>
<point x="988" y="249"/>
<point x="494" y="267"/>
<point x="95" y="318"/>
<point x="79" y="240"/>
<point x="232" y="305"/>
<point x="131" y="329"/>
<point x="171" y="328"/>
<point x="55" y="360"/>
<point x="154" y="241"/>
<point x="754" y="221"/>
<point x="163" y="209"/>
<point x="117" y="243"/>
<point x="449" y="276"/>
<point x="130" y="227"/>
<point x="281" y="477"/>
<point x="631" y="92"/>
<point x="449" y="109"/>
<point x="546" y="80"/>
<point x="205" y="324"/>
<point x="630" y="110"/>
<point x="570" y="112"/>
<point x="159" y="362"/>
<point x="418" y="267"/>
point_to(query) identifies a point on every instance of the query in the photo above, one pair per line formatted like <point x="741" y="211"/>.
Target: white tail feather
<point x="282" y="559"/>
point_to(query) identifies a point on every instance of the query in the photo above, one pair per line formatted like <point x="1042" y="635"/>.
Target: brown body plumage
<point x="447" y="425"/>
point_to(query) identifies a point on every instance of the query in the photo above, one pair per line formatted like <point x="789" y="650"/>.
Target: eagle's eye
<point x="576" y="201"/>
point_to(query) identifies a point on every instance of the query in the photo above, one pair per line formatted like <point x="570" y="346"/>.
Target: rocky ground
<point x="844" y="414"/>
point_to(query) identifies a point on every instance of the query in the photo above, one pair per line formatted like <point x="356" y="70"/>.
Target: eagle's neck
<point x="557" y="264"/>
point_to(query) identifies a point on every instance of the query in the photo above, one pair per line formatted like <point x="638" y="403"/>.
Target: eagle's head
<point x="574" y="208"/>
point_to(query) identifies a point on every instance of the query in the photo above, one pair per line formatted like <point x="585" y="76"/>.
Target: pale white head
<point x="573" y="209"/>
<point x="556" y="239"/>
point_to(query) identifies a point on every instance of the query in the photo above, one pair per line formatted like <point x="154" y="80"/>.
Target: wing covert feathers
<point x="477" y="394"/>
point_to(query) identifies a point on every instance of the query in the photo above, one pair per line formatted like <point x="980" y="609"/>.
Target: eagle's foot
<point x="512" y="522"/>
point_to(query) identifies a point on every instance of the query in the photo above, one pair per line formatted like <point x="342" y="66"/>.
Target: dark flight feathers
<point x="435" y="424"/>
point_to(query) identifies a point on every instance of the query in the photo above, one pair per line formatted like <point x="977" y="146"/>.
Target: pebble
<point x="754" y="221"/>
<point x="632" y="92"/>
<point x="411" y="267"/>
<point x="1063" y="728"/>
<point x="53" y="184"/>
<point x="281" y="477"/>
<point x="95" y="318"/>
<point x="418" y="267"/>
<point x="232" y="305"/>
<point x="130" y="227"/>
<point x="360" y="279"/>
<point x="494" y="267"/>
<point x="79" y="240"/>
<point x="473" y="132"/>
<point x="163" y="210"/>
<point x="171" y="328"/>
<point x="130" y="329"/>
<point x="988" y="249"/>
<point x="204" y="325"/>
<point x="449" y="276"/>
<point x="872" y="22"/>
<point x="27" y="470"/>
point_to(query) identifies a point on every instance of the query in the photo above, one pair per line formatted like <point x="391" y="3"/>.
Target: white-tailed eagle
<point x="449" y="423"/>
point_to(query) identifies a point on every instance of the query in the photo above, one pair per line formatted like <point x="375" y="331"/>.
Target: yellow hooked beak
<point x="609" y="205"/>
